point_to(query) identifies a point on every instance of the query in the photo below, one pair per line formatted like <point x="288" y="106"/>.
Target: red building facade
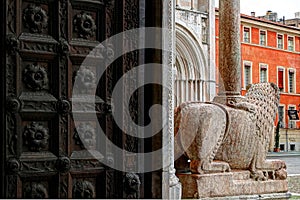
<point x="270" y="52"/>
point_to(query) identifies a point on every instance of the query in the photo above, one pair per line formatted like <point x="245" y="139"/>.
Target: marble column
<point x="229" y="52"/>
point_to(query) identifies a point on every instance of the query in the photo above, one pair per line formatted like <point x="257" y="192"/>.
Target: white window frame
<point x="261" y="65"/>
<point x="288" y="46"/>
<point x="248" y="63"/>
<point x="282" y="40"/>
<point x="266" y="37"/>
<point x="249" y="34"/>
<point x="281" y="67"/>
<point x="294" y="83"/>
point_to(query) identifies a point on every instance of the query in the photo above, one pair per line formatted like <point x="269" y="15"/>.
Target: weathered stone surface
<point x="227" y="184"/>
<point x="218" y="138"/>
<point x="230" y="133"/>
<point x="230" y="45"/>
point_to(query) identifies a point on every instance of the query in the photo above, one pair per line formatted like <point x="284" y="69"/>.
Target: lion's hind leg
<point x="264" y="169"/>
<point x="210" y="130"/>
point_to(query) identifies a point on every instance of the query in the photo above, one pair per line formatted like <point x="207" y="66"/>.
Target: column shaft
<point x="229" y="47"/>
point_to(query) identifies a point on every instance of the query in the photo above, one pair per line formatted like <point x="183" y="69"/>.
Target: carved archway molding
<point x="191" y="67"/>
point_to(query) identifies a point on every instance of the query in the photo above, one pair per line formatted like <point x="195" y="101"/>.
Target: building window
<point x="247" y="74"/>
<point x="262" y="38"/>
<point x="292" y="123"/>
<point x="281" y="147"/>
<point x="280" y="79"/>
<point x="247" y="34"/>
<point x="291" y="43"/>
<point x="280" y="41"/>
<point x="291" y="81"/>
<point x="281" y="116"/>
<point x="263" y="73"/>
<point x="292" y="147"/>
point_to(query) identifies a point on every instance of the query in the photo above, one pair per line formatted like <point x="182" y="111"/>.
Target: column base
<point x="228" y="98"/>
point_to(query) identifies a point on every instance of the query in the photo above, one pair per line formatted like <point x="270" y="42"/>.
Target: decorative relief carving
<point x="85" y="136"/>
<point x="63" y="164"/>
<point x="63" y="13"/>
<point x="11" y="16"/>
<point x="12" y="186"/>
<point x="131" y="19"/>
<point x="87" y="105"/>
<point x="98" y="50"/>
<point x="35" y="77"/>
<point x="63" y="67"/>
<point x="36" y="136"/>
<point x="109" y="17"/>
<point x="84" y="25"/>
<point x="39" y="166"/>
<point x="10" y="75"/>
<point x="63" y="132"/>
<point x="132" y="185"/>
<point x="103" y="108"/>
<point x="83" y="189"/>
<point x="191" y="19"/>
<point x="35" y="18"/>
<point x="80" y="156"/>
<point x="82" y="164"/>
<point x="13" y="104"/>
<point x="38" y="106"/>
<point x="63" y="106"/>
<point x="80" y="50"/>
<point x="36" y="47"/>
<point x="110" y="160"/>
<point x="12" y="43"/>
<point x="13" y="165"/>
<point x="110" y="182"/>
<point x="63" y="186"/>
<point x="63" y="47"/>
<point x="35" y="191"/>
<point x="11" y="133"/>
<point x="86" y="79"/>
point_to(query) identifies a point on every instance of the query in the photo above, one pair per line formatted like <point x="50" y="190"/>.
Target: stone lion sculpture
<point x="217" y="137"/>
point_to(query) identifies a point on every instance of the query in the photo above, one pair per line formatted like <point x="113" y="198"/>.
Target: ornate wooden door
<point x="46" y="42"/>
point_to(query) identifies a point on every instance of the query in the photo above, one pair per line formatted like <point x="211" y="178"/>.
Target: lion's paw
<point x="209" y="167"/>
<point x="280" y="174"/>
<point x="258" y="176"/>
<point x="216" y="166"/>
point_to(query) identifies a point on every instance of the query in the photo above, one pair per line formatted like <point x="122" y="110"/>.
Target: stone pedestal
<point x="235" y="183"/>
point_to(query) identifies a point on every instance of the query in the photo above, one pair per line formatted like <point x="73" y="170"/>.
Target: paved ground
<point x="292" y="160"/>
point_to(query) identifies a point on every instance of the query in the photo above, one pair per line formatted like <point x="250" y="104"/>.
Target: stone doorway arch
<point x="191" y="67"/>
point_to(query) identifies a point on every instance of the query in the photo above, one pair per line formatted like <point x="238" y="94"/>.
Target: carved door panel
<point x="45" y="156"/>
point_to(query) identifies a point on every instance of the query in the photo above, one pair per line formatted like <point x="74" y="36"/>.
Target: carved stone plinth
<point x="235" y="183"/>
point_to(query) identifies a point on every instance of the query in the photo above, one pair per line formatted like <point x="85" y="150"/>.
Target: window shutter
<point x="280" y="78"/>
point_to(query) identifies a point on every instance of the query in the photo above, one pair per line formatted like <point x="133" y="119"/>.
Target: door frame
<point x="2" y="98"/>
